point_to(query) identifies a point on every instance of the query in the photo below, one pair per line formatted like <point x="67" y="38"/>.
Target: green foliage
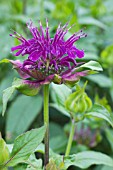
<point x="109" y="135"/>
<point x="92" y="65"/>
<point x="25" y="88"/>
<point x="103" y="101"/>
<point x="34" y="163"/>
<point x="106" y="56"/>
<point x="24" y="110"/>
<point x="100" y="79"/>
<point x="85" y="159"/>
<point x="25" y="145"/>
<point x="59" y="93"/>
<point x="92" y="21"/>
<point x="100" y="112"/>
<point x="6" y="95"/>
<point x="4" y="152"/>
<point x="22" y="87"/>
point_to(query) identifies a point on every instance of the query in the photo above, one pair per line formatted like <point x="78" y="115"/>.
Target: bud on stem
<point x="78" y="103"/>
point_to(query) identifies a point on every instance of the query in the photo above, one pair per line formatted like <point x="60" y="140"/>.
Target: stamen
<point x="47" y="32"/>
<point x="42" y="31"/>
<point x="71" y="26"/>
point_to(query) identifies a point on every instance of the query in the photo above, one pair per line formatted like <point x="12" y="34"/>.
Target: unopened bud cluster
<point x="78" y="103"/>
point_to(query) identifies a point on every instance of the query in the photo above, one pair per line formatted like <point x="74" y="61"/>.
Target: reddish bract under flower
<point x="49" y="59"/>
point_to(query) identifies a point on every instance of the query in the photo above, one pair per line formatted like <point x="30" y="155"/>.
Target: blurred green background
<point x="23" y="113"/>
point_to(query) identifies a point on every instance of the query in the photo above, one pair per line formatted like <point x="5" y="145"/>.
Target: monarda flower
<point x="48" y="59"/>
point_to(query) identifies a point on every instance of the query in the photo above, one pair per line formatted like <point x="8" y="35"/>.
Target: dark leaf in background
<point x="21" y="114"/>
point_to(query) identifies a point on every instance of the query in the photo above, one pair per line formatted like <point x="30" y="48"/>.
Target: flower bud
<point x="4" y="152"/>
<point x="78" y="103"/>
<point x="89" y="102"/>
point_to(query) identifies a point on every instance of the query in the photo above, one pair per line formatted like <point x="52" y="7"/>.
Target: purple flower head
<point x="48" y="59"/>
<point x="86" y="135"/>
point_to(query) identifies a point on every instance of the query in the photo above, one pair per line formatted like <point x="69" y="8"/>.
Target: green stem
<point x="46" y="122"/>
<point x="72" y="131"/>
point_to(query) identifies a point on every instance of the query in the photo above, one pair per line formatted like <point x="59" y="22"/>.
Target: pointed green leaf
<point x="87" y="158"/>
<point x="93" y="65"/>
<point x="4" y="61"/>
<point x="19" y="85"/>
<point x="33" y="163"/>
<point x="26" y="89"/>
<point x="109" y="135"/>
<point x="88" y="20"/>
<point x="60" y="109"/>
<point x="100" y="79"/>
<point x="26" y="109"/>
<point x="25" y="145"/>
<point x="6" y="95"/>
<point x="100" y="112"/>
<point x="4" y="152"/>
<point x="21" y="166"/>
<point x="59" y="93"/>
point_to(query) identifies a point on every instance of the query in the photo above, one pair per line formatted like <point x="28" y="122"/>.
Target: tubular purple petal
<point x="48" y="59"/>
<point x="34" y="56"/>
<point x="79" y="53"/>
<point x="16" y="47"/>
<point x="19" y="52"/>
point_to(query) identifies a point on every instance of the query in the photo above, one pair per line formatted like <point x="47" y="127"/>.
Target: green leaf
<point x="90" y="56"/>
<point x="100" y="112"/>
<point x="4" y="61"/>
<point x="20" y="166"/>
<point x="5" y="83"/>
<point x="4" y="152"/>
<point x="55" y="130"/>
<point x="58" y="138"/>
<point x="106" y="168"/>
<point x="101" y="80"/>
<point x="59" y="93"/>
<point x="19" y="18"/>
<point x="109" y="135"/>
<point x="91" y="21"/>
<point x="87" y="158"/>
<point x="34" y="163"/>
<point x="10" y="147"/>
<point x="93" y="65"/>
<point x="6" y="95"/>
<point x="26" y="109"/>
<point x="25" y="145"/>
<point x="40" y="148"/>
<point x="58" y="143"/>
<point x="25" y="88"/>
<point x="6" y="42"/>
<point x="60" y="109"/>
<point x="106" y="57"/>
<point x="111" y="91"/>
<point x="22" y="87"/>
